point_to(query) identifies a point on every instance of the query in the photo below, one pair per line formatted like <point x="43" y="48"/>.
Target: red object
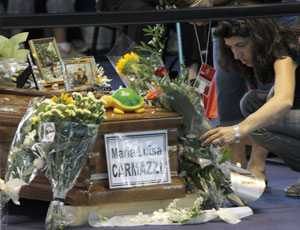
<point x="207" y="72"/>
<point x="161" y="72"/>
<point x="210" y="102"/>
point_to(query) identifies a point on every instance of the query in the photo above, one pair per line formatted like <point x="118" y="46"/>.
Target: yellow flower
<point x="130" y="58"/>
<point x="54" y="98"/>
<point x="70" y="100"/>
<point x="120" y="67"/>
<point x="35" y="120"/>
<point x="63" y="98"/>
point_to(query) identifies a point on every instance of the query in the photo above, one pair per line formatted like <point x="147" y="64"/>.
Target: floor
<point x="273" y="211"/>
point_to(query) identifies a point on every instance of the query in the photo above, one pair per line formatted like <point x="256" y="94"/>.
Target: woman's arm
<point x="280" y="103"/>
<point x="277" y="106"/>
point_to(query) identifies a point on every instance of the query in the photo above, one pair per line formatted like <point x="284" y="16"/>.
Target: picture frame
<point x="80" y="72"/>
<point x="48" y="60"/>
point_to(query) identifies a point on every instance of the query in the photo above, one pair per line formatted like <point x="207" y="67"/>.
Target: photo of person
<point x="80" y="73"/>
<point x="81" y="77"/>
<point x="47" y="58"/>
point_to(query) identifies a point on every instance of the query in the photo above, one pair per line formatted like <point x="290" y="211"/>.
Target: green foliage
<point x="9" y="48"/>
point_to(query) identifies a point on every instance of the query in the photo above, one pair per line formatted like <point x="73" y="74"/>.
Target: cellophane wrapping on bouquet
<point x="24" y="161"/>
<point x="200" y="167"/>
<point x="67" y="129"/>
<point x="66" y="147"/>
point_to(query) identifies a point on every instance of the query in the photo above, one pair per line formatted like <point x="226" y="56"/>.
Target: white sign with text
<point x="137" y="158"/>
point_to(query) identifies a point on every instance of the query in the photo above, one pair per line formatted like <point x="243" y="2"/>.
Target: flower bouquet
<point x="174" y="214"/>
<point x="24" y="160"/>
<point x="199" y="166"/>
<point x="67" y="130"/>
<point x="204" y="170"/>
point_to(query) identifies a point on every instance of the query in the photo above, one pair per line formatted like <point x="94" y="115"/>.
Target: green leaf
<point x="21" y="54"/>
<point x="182" y="105"/>
<point x="18" y="38"/>
<point x="4" y="40"/>
<point x="227" y="154"/>
<point x="147" y="30"/>
<point x="7" y="52"/>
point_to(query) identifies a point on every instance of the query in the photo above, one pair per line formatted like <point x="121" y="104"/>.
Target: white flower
<point x="27" y="128"/>
<point x="29" y="139"/>
<point x="49" y="101"/>
<point x="60" y="107"/>
<point x="103" y="80"/>
<point x="58" y="113"/>
<point x="15" y="149"/>
<point x="71" y="106"/>
<point x="12" y="188"/>
<point x="87" y="112"/>
<point x="91" y="95"/>
<point x="102" y="101"/>
<point x="70" y="113"/>
<point x="39" y="163"/>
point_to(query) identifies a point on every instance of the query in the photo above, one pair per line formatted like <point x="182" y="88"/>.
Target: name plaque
<point x="137" y="158"/>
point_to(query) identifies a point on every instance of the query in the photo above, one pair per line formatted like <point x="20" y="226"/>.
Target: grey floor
<point x="273" y="211"/>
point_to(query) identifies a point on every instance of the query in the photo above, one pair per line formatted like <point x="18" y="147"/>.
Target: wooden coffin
<point x="89" y="191"/>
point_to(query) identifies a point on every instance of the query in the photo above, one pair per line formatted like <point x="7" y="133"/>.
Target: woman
<point x="265" y="53"/>
<point x="231" y="87"/>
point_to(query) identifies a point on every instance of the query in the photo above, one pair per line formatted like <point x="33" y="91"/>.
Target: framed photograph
<point x="47" y="57"/>
<point x="80" y="72"/>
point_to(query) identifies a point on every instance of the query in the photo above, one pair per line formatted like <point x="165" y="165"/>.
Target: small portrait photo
<point x="80" y="72"/>
<point x="48" y="60"/>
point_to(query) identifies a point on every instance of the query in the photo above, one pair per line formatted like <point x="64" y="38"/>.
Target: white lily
<point x="12" y="188"/>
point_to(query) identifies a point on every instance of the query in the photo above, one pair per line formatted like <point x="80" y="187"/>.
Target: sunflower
<point x="126" y="64"/>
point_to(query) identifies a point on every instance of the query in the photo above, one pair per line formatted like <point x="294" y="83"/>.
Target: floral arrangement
<point x="201" y="168"/>
<point x="174" y="214"/>
<point x="58" y="134"/>
<point x="77" y="109"/>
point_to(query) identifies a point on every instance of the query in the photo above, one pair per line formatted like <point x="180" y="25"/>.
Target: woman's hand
<point x="219" y="136"/>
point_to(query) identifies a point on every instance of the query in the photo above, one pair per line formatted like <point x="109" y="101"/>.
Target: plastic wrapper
<point x="24" y="160"/>
<point x="206" y="170"/>
<point x="198" y="165"/>
<point x="9" y="71"/>
<point x="66" y="147"/>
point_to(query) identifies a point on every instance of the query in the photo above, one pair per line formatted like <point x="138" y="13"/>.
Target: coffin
<point x="87" y="190"/>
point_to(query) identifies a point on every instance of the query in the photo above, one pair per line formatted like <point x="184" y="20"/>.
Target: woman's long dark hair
<point x="270" y="41"/>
